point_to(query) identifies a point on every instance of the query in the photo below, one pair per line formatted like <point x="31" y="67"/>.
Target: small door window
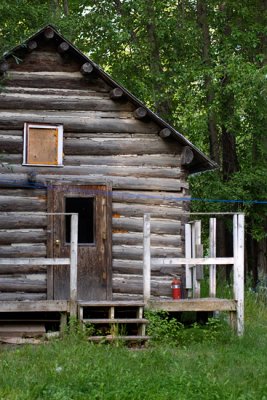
<point x="43" y="144"/>
<point x="84" y="207"/>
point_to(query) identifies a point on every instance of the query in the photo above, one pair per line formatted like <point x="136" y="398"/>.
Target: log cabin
<point x="75" y="141"/>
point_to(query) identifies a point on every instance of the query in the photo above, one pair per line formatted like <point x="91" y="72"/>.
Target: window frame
<point x="59" y="128"/>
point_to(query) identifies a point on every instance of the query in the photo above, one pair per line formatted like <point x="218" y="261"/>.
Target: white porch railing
<point x="192" y="261"/>
<point x="71" y="261"/>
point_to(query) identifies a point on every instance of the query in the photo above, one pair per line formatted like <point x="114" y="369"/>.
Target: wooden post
<point x="196" y="251"/>
<point x="188" y="254"/>
<point x="238" y="234"/>
<point x="212" y="268"/>
<point x="73" y="264"/>
<point x="146" y="258"/>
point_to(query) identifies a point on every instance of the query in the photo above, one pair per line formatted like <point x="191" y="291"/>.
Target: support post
<point x="73" y="264"/>
<point x="212" y="268"/>
<point x="238" y="234"/>
<point x="146" y="259"/>
<point x="196" y="251"/>
<point x="188" y="254"/>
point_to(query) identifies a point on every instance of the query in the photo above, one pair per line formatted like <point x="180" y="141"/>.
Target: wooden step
<point x="22" y="330"/>
<point x="111" y="338"/>
<point x="111" y="303"/>
<point x="115" y="321"/>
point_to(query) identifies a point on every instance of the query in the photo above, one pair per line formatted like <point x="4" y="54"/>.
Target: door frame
<point x="51" y="187"/>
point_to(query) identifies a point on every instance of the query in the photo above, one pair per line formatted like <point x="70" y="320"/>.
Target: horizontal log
<point x="83" y="122"/>
<point x="146" y="160"/>
<point x="194" y="261"/>
<point x="116" y="93"/>
<point x="9" y="236"/>
<point x="138" y="210"/>
<point x="57" y="80"/>
<point x="29" y="250"/>
<point x="54" y="102"/>
<point x="22" y="285"/>
<point x="49" y="34"/>
<point x="18" y="297"/>
<point x="136" y="225"/>
<point x="194" y="305"/>
<point x="35" y="261"/>
<point x="16" y="203"/>
<point x="63" y="47"/>
<point x="38" y="306"/>
<point x="35" y="193"/>
<point x="136" y="239"/>
<point x="135" y="286"/>
<point x="145" y="197"/>
<point x="87" y="68"/>
<point x="22" y="269"/>
<point x="106" y="170"/>
<point x="22" y="221"/>
<point x="136" y="253"/>
<point x="164" y="133"/>
<point x="136" y="267"/>
<point x="32" y="45"/>
<point x="140" y="113"/>
<point x="84" y="92"/>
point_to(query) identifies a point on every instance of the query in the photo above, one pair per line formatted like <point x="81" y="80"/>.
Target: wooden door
<point x="93" y="205"/>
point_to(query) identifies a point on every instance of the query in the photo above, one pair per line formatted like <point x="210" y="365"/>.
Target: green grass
<point x="213" y="365"/>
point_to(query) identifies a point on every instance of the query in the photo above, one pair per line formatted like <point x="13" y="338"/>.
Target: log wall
<point x="103" y="142"/>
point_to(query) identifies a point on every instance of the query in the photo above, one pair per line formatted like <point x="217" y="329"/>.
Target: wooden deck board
<point x="34" y="306"/>
<point x="204" y="304"/>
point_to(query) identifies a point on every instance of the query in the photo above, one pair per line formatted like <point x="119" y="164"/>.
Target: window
<point x="84" y="206"/>
<point x="43" y="144"/>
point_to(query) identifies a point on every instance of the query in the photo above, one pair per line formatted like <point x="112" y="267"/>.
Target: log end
<point x="164" y="133"/>
<point x="63" y="47"/>
<point x="32" y="45"/>
<point x="49" y="34"/>
<point x="140" y="113"/>
<point x="4" y="67"/>
<point x="187" y="156"/>
<point x="116" y="93"/>
<point x="87" y="68"/>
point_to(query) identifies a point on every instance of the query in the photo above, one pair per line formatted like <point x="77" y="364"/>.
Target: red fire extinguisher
<point x="176" y="288"/>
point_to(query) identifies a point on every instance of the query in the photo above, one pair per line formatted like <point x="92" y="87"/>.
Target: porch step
<point x="26" y="330"/>
<point x="115" y="321"/>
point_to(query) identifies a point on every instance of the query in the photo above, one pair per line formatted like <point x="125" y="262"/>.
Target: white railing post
<point x="146" y="259"/>
<point x="73" y="264"/>
<point x="188" y="254"/>
<point x="238" y="235"/>
<point x="212" y="268"/>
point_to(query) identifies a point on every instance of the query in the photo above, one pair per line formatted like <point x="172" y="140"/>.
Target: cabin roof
<point x="200" y="162"/>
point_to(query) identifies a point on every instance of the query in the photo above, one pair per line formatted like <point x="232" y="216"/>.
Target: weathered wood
<point x="146" y="259"/>
<point x="133" y="285"/>
<point x="145" y="160"/>
<point x="188" y="254"/>
<point x="238" y="234"/>
<point x="187" y="155"/>
<point x="57" y="80"/>
<point x="49" y="33"/>
<point x="35" y="261"/>
<point x="32" y="45"/>
<point x="63" y="47"/>
<point x="136" y="267"/>
<point x="9" y="236"/>
<point x="127" y="210"/>
<point x="87" y="122"/>
<point x="4" y="67"/>
<point x="22" y="269"/>
<point x="6" y="298"/>
<point x="140" y="113"/>
<point x="83" y="92"/>
<point x="30" y="193"/>
<point x="87" y="68"/>
<point x="136" y="253"/>
<point x="157" y="172"/>
<point x="34" y="306"/>
<point x="136" y="239"/>
<point x="164" y="133"/>
<point x="136" y="225"/>
<point x="16" y="203"/>
<point x="194" y="305"/>
<point x="22" y="285"/>
<point x="116" y="93"/>
<point x="145" y="197"/>
<point x="22" y="221"/>
<point x="24" y="250"/>
<point x="73" y="264"/>
<point x="194" y="261"/>
<point x="54" y="102"/>
<point x="212" y="249"/>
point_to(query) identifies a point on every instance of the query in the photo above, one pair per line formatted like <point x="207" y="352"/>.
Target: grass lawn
<point x="212" y="365"/>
